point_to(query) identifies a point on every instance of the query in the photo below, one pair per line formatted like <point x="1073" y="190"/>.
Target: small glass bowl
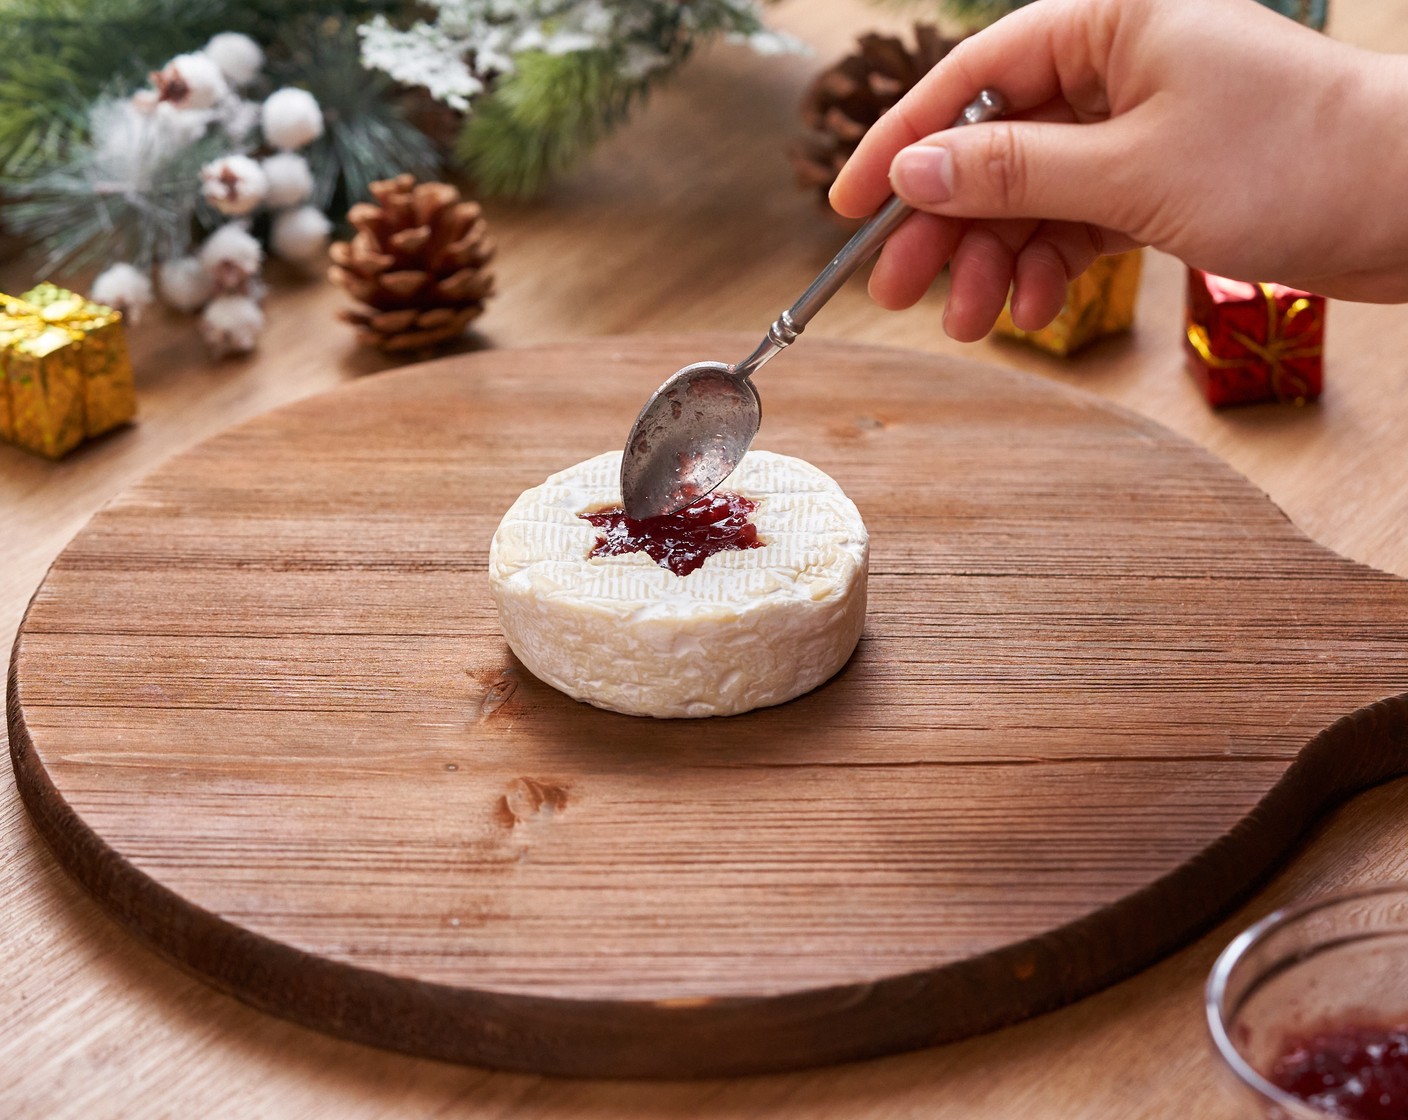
<point x="1333" y="961"/>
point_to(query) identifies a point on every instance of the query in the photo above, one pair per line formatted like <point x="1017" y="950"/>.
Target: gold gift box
<point x="1099" y="302"/>
<point x="65" y="374"/>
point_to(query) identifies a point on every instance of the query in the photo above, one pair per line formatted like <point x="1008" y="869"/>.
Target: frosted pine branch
<point x="472" y="43"/>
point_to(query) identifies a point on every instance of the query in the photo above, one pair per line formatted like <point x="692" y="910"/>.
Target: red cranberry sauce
<point x="680" y="541"/>
<point x="1354" y="1071"/>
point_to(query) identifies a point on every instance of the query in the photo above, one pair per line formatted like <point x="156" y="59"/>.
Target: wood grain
<point x="260" y="707"/>
<point x="685" y="220"/>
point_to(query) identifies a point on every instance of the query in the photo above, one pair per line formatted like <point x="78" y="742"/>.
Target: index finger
<point x="1035" y="55"/>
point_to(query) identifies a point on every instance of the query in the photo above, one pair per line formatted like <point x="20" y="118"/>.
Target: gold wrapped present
<point x="17" y="321"/>
<point x="46" y="391"/>
<point x="65" y="374"/>
<point x="1099" y="302"/>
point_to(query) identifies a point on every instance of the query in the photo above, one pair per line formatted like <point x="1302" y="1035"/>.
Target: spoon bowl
<point x="691" y="434"/>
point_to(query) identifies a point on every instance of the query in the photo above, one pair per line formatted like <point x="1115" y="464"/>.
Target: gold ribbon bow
<point x="1278" y="348"/>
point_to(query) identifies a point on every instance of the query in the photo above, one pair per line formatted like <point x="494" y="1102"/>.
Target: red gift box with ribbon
<point x="1254" y="342"/>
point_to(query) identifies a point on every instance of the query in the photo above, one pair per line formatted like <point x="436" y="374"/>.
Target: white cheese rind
<point x="749" y="628"/>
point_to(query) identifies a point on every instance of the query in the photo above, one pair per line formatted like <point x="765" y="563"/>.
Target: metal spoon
<point x="695" y="428"/>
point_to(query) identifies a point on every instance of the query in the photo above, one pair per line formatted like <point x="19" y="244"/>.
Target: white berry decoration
<point x="291" y="118"/>
<point x="231" y="325"/>
<point x="231" y="257"/>
<point x="124" y="288"/>
<point x="190" y="81"/>
<point x="238" y="57"/>
<point x="301" y="235"/>
<point x="184" y="284"/>
<point x="234" y="185"/>
<point x="290" y="179"/>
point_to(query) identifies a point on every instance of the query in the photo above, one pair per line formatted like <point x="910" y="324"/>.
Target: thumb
<point x="1023" y="169"/>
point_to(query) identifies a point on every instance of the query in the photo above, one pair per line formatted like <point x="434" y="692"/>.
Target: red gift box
<point x="1254" y="342"/>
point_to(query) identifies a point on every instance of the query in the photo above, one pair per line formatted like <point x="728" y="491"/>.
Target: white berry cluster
<point x="221" y="280"/>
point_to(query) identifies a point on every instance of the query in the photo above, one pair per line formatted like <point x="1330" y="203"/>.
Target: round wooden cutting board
<point x="262" y="709"/>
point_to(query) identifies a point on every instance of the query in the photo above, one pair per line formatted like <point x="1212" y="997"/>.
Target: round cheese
<point x="747" y="629"/>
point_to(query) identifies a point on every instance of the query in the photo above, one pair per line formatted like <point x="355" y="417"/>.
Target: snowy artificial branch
<point x="471" y="43"/>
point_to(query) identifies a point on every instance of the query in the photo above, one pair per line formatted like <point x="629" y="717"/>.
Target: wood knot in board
<point x="855" y="429"/>
<point x="528" y="799"/>
<point x="498" y="693"/>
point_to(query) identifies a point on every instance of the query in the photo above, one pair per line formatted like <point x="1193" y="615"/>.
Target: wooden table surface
<point x="686" y="220"/>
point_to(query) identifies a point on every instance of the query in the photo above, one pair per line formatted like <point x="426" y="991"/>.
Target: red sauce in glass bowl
<point x="680" y="541"/>
<point x="1354" y="1071"/>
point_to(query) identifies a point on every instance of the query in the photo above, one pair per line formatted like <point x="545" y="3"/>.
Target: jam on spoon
<point x="1355" y="1071"/>
<point x="679" y="541"/>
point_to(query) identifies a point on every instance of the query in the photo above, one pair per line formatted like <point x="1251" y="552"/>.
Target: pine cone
<point x="846" y="99"/>
<point x="418" y="262"/>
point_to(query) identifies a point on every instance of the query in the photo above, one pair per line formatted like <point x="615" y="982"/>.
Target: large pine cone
<point x="419" y="262"/>
<point x="844" y="100"/>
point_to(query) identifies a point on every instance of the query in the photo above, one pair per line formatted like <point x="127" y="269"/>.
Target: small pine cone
<point x="844" y="100"/>
<point x="419" y="263"/>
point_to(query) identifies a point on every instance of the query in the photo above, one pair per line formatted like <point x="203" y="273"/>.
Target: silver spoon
<point x="695" y="428"/>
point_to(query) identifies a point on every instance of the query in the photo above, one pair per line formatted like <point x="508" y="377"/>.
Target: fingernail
<point x="923" y="174"/>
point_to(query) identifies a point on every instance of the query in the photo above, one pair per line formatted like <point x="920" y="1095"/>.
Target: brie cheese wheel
<point x="748" y="628"/>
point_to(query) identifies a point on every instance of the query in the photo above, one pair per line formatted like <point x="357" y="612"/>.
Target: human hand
<point x="1215" y="130"/>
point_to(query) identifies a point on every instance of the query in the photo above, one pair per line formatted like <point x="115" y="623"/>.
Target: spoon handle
<point x="987" y="106"/>
<point x="863" y="245"/>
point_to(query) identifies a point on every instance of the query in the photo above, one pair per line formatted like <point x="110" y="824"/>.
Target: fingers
<point x="980" y="273"/>
<point x="1012" y="169"/>
<point x="1039" y="283"/>
<point x="1036" y="261"/>
<point x="913" y="256"/>
<point x="1056" y="254"/>
<point x="1052" y="51"/>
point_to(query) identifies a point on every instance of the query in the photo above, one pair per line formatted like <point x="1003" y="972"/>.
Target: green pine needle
<point x="61" y="55"/>
<point x="982" y="11"/>
<point x="970" y="14"/>
<point x="366" y="135"/>
<point x="77" y="218"/>
<point x="543" y="117"/>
